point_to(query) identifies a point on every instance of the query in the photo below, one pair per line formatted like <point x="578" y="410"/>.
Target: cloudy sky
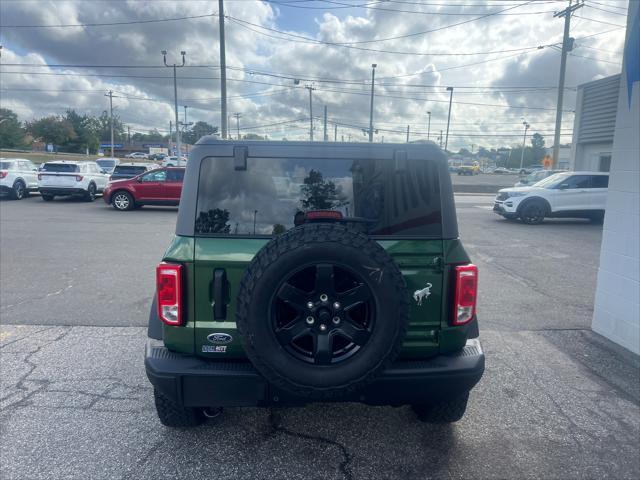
<point x="67" y="54"/>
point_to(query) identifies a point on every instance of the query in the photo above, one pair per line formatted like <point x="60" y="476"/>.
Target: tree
<point x="85" y="128"/>
<point x="214" y="221"/>
<point x="104" y="128"/>
<point x="537" y="142"/>
<point x="253" y="136"/>
<point x="199" y="130"/>
<point x="52" y="129"/>
<point x="278" y="229"/>
<point x="11" y="131"/>
<point x="320" y="194"/>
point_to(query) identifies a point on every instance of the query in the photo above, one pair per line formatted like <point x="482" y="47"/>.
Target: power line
<point x="604" y="10"/>
<point x="600" y="21"/>
<point x="596" y="59"/>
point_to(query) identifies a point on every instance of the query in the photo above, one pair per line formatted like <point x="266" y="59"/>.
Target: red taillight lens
<point x="79" y="178"/>
<point x="466" y="292"/>
<point x="169" y="289"/>
<point x="39" y="177"/>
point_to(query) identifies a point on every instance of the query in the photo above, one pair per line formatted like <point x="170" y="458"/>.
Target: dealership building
<point x="607" y="138"/>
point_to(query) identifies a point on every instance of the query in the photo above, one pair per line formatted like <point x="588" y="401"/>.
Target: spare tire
<point x="322" y="310"/>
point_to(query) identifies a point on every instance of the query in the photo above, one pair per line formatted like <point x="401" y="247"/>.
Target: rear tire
<point x="176" y="416"/>
<point x="90" y="194"/>
<point x="122" y="201"/>
<point x="19" y="190"/>
<point x="47" y="197"/>
<point x="442" y="412"/>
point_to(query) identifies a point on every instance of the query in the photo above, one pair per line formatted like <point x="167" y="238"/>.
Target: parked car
<point x="162" y="186"/>
<point x="130" y="170"/>
<point x="66" y="177"/>
<point x="262" y="303"/>
<point x="107" y="164"/>
<point x="530" y="169"/>
<point x="138" y="155"/>
<point x="158" y="157"/>
<point x="567" y="194"/>
<point x="535" y="177"/>
<point x="469" y="169"/>
<point x="173" y="161"/>
<point x="501" y="171"/>
<point x="18" y="177"/>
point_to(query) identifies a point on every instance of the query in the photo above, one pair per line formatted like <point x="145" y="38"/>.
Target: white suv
<point x="567" y="194"/>
<point x="18" y="177"/>
<point x="71" y="178"/>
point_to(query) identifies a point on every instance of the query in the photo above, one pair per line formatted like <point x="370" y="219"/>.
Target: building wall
<point x="594" y="123"/>
<point x="617" y="303"/>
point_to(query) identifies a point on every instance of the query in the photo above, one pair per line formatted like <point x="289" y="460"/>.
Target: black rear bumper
<point x="194" y="382"/>
<point x="61" y="191"/>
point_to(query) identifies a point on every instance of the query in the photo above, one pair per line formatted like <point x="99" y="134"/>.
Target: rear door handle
<point x="219" y="294"/>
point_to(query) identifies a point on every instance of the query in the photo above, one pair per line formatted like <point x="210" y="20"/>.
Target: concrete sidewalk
<point x="553" y="404"/>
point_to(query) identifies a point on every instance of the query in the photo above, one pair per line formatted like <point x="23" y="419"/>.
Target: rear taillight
<point x="39" y="176"/>
<point x="79" y="178"/>
<point x="3" y="173"/>
<point x="466" y="292"/>
<point x="169" y="289"/>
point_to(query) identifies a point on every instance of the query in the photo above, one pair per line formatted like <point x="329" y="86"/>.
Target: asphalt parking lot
<point x="556" y="401"/>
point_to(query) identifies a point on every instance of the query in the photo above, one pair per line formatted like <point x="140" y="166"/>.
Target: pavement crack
<point x="276" y="427"/>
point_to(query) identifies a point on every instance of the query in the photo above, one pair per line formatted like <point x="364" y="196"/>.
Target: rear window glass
<point x="60" y="167"/>
<point x="7" y="165"/>
<point x="272" y="195"/>
<point x="129" y="170"/>
<point x="106" y="163"/>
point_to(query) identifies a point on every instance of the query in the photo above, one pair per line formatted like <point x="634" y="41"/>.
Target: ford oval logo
<point x="219" y="338"/>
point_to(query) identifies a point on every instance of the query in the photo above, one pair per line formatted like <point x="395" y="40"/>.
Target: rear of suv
<point x="18" y="177"/>
<point x="305" y="272"/>
<point x="61" y="178"/>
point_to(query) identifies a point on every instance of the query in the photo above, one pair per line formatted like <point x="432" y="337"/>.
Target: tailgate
<point x="417" y="259"/>
<point x="55" y="179"/>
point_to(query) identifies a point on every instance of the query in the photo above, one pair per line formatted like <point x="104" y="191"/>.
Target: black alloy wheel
<point x="323" y="313"/>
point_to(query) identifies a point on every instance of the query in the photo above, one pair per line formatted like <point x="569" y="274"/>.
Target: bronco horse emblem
<point x="419" y="295"/>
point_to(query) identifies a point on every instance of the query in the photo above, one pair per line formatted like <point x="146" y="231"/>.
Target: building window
<point x="605" y="162"/>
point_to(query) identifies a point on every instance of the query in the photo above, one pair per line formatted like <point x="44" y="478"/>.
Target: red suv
<point x="156" y="187"/>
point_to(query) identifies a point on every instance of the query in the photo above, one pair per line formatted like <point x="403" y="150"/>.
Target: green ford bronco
<point x="304" y="272"/>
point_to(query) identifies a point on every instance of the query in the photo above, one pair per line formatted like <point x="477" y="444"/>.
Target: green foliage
<point x="53" y="129"/>
<point x="320" y="194"/>
<point x="278" y="229"/>
<point x="253" y="136"/>
<point x="86" y="136"/>
<point x="537" y="141"/>
<point x="154" y="136"/>
<point x="11" y="131"/>
<point x="199" y="130"/>
<point x="103" y="128"/>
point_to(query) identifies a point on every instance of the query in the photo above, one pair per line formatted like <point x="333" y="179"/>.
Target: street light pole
<point x="524" y="140"/>
<point x="175" y="99"/>
<point x="237" y="115"/>
<point x="373" y="79"/>
<point x="429" y="126"/>
<point x="446" y="142"/>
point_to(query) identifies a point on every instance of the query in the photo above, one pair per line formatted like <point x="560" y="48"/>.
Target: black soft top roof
<point x="237" y="150"/>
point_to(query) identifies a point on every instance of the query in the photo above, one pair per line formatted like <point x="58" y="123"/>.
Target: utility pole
<point x="407" y="133"/>
<point x="175" y="99"/>
<point x="325" y="137"/>
<point x="335" y="132"/>
<point x="311" y="88"/>
<point x="110" y="95"/>
<point x="373" y="80"/>
<point x="128" y="134"/>
<point x="170" y="132"/>
<point x="567" y="46"/>
<point x="185" y="117"/>
<point x="440" y="138"/>
<point x="223" y="72"/>
<point x="237" y="115"/>
<point x="446" y="142"/>
<point x="429" y="126"/>
<point x="524" y="140"/>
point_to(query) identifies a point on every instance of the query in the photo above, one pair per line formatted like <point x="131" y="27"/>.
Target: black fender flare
<point x="528" y="201"/>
